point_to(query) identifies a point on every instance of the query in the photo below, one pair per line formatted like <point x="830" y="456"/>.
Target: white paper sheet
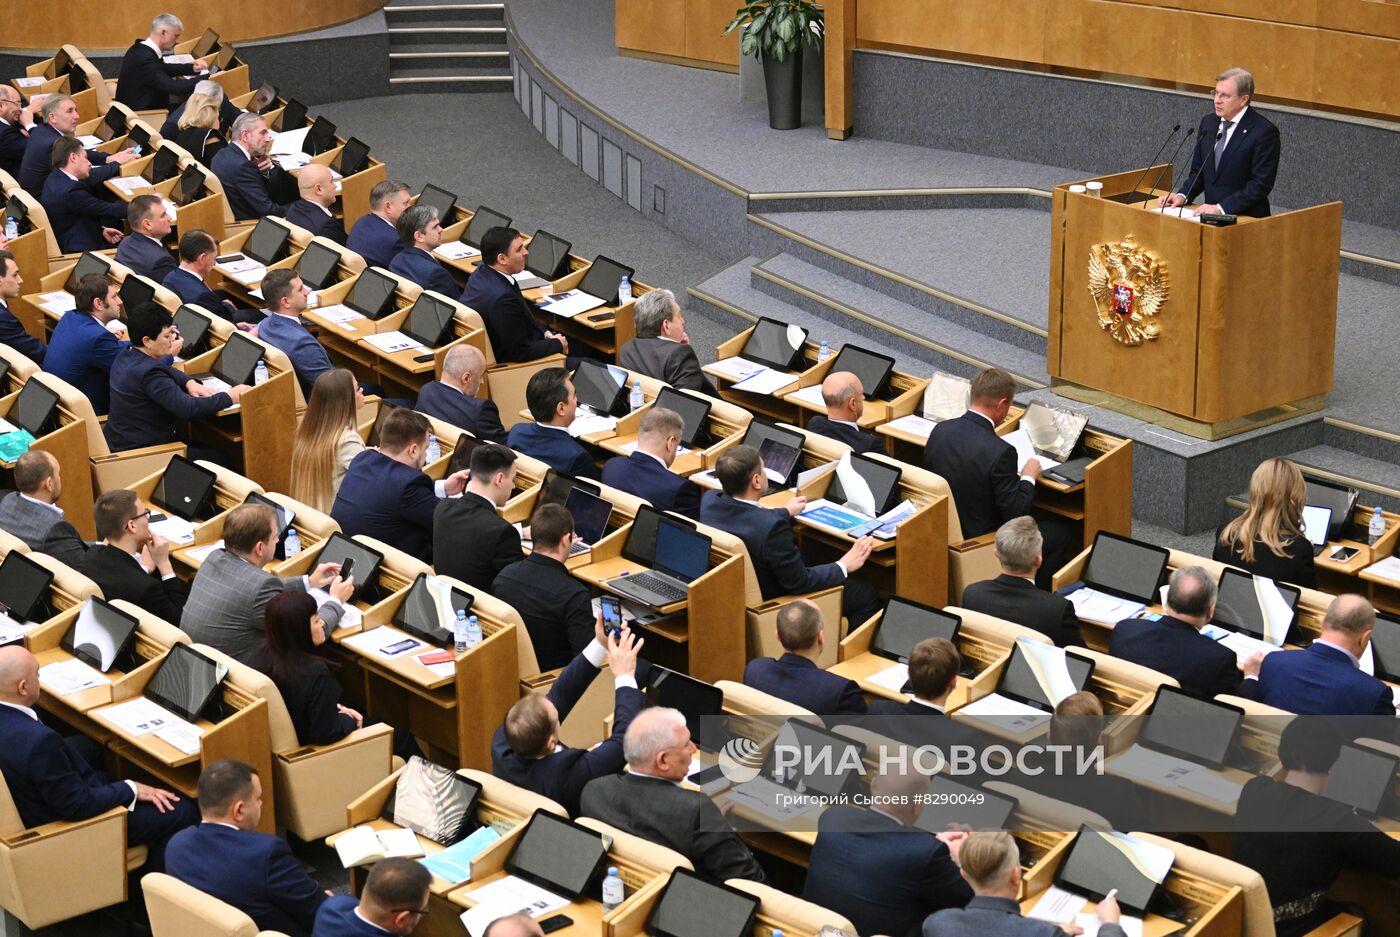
<point x="1388" y="568"/>
<point x="812" y="394"/>
<point x="1184" y="212"/>
<point x="507" y="896"/>
<point x="1210" y="785"/>
<point x="570" y="304"/>
<point x="33" y="81"/>
<point x="892" y="677"/>
<point x="384" y="641"/>
<point x="736" y="368"/>
<point x="1049" y="667"/>
<point x="812" y="474"/>
<point x="766" y="381"/>
<point x="1057" y="906"/>
<point x="1148" y="765"/>
<point x="58" y="301"/>
<point x="290" y="142"/>
<point x="1244" y="645"/>
<point x="200" y="554"/>
<point x="1089" y="924"/>
<point x="1025" y="451"/>
<point x="586" y="424"/>
<point x="140" y="716"/>
<point x="129" y="185"/>
<point x="858" y="494"/>
<point x="339" y="313"/>
<point x="182" y="736"/>
<point x="1277" y="615"/>
<point x="350" y="616"/>
<point x="1005" y="713"/>
<point x="242" y="265"/>
<point x="250" y="277"/>
<point x="70" y="676"/>
<point x="1101" y="607"/>
<point x="391" y="342"/>
<point x="456" y="250"/>
<point x="175" y="529"/>
<point x="914" y="425"/>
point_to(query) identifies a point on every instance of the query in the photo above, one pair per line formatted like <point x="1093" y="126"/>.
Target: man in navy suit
<point x="526" y="750"/>
<point x="286" y="296"/>
<point x="385" y="494"/>
<point x="81" y="221"/>
<point x="662" y="348"/>
<point x="248" y="174"/>
<point x="312" y="211"/>
<point x="50" y="780"/>
<point x="845" y="404"/>
<point x="419" y="232"/>
<point x="146" y="81"/>
<point x="509" y="316"/>
<point x="1175" y="646"/>
<point x="552" y="402"/>
<point x="1014" y="596"/>
<point x="83" y="348"/>
<point x="795" y="677"/>
<point x="1236" y="157"/>
<point x="453" y="399"/>
<point x="471" y="541"/>
<point x="1327" y="679"/>
<point x="394" y="901"/>
<point x="16" y="121"/>
<point x="877" y="869"/>
<point x="374" y="237"/>
<point x="767" y="535"/>
<point x="225" y="856"/>
<point x="646" y="471"/>
<point x="198" y="251"/>
<point x="12" y="333"/>
<point x="61" y="119"/>
<point x="144" y="249"/>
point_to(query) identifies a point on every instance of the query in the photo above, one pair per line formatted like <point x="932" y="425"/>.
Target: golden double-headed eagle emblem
<point x="1129" y="287"/>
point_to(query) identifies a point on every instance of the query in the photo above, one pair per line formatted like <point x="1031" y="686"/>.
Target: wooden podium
<point x="1244" y="316"/>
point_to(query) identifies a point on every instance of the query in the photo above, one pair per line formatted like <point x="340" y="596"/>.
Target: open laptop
<point x="24" y="585"/>
<point x="194" y="330"/>
<point x="372" y="294"/>
<point x="682" y="556"/>
<point x="340" y="548"/>
<point x="429" y="322"/>
<point x="421" y="613"/>
<point x="441" y="199"/>
<point x="548" y="260"/>
<point x="1101" y="861"/>
<point x="237" y="361"/>
<point x="873" y="369"/>
<point x="36" y="408"/>
<point x="317" y="266"/>
<point x="1363" y="779"/>
<point x="701" y="703"/>
<point x="590" y="514"/>
<point x="691" y="906"/>
<point x="775" y="344"/>
<point x="184" y="489"/>
<point x="185" y="682"/>
<point x="100" y="634"/>
<point x="1257" y="612"/>
<point x="640" y="546"/>
<point x="558" y="855"/>
<point x="1181" y="725"/>
<point x="953" y="802"/>
<point x="692" y="410"/>
<point x="1317" y="521"/>
<point x="758" y="432"/>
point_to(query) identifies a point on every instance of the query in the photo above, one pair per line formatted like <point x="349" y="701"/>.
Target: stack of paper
<point x="1172" y="772"/>
<point x="1093" y="605"/>
<point x="1063" y="907"/>
<point x="175" y="529"/>
<point x="339" y="313"/>
<point x="391" y="342"/>
<point x="892" y="677"/>
<point x="766" y="381"/>
<point x="140" y="716"/>
<point x="129" y="185"/>
<point x="585" y="424"/>
<point x="811" y="394"/>
<point x="570" y="304"/>
<point x="1005" y="713"/>
<point x="1388" y="568"/>
<point x="456" y="250"/>
<point x="70" y="676"/>
<point x="384" y="641"/>
<point x="507" y="896"/>
<point x="59" y="302"/>
<point x="736" y="368"/>
<point x="914" y="425"/>
<point x="200" y="554"/>
<point x="289" y="142"/>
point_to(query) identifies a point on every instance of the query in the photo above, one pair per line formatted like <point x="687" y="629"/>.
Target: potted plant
<point x="775" y="34"/>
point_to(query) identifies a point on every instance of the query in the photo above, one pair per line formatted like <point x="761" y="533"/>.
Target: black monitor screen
<point x="163" y="164"/>
<point x="590" y="514"/>
<point x="238" y="359"/>
<point x="422" y="613"/>
<point x="549" y="256"/>
<point x="113" y="123"/>
<point x="779" y="460"/>
<point x="284" y="514"/>
<point x="882" y="477"/>
<point x="557" y="854"/>
<point x="1025" y="678"/>
<point x="340" y="548"/>
<point x="905" y="623"/>
<point x="690" y="906"/>
<point x="1339" y="498"/>
<point x="1385" y="647"/>
<point x="184" y="682"/>
<point x="599" y="386"/>
<point x="35" y="408"/>
<point x="1125" y="567"/>
<point x="430" y="320"/>
<point x="483" y="220"/>
<point x="1193" y="728"/>
<point x="1239" y="607"/>
<point x="441" y="199"/>
<point x="692" y="410"/>
<point x="556" y="487"/>
<point x="826" y="764"/>
<point x="775" y="344"/>
<point x="184" y="488"/>
<point x="317" y="265"/>
<point x="872" y="368"/>
<point x="1362" y="778"/>
<point x="1101" y="861"/>
<point x="138" y="136"/>
<point x="951" y="802"/>
<point x="681" y="551"/>
<point x="23" y="584"/>
<point x="641" y="535"/>
<point x="373" y="293"/>
<point x="293" y="115"/>
<point x="88" y="263"/>
<point x="320" y="137"/>
<point x="194" y="331"/>
<point x="268" y="242"/>
<point x="191" y="185"/>
<point x="701" y="703"/>
<point x="354" y="156"/>
<point x="100" y="634"/>
<point x="603" y="278"/>
<point x="135" y="291"/>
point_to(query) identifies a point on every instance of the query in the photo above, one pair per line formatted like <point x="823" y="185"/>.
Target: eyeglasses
<point x="136" y="517"/>
<point x="421" y="912"/>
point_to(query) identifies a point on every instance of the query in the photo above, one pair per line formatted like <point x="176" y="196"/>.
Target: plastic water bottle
<point x="824" y="351"/>
<point x="459" y="633"/>
<point x="473" y="631"/>
<point x="1376" y="529"/>
<point x="11" y="228"/>
<point x="637" y="400"/>
<point x="434" y="450"/>
<point x="260" y="372"/>
<point x="292" y="545"/>
<point x="624" y="291"/>
<point x="613" y="891"/>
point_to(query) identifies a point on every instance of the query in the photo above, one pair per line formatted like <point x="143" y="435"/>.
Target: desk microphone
<point x="1162" y="172"/>
<point x="1133" y="190"/>
<point x="1220" y="132"/>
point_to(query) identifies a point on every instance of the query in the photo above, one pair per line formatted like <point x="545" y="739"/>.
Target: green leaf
<point x="787" y="28"/>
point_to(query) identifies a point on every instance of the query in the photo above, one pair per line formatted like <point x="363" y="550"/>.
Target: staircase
<point x="441" y="45"/>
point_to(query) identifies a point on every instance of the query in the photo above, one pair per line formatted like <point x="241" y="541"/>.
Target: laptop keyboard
<point x="658" y="586"/>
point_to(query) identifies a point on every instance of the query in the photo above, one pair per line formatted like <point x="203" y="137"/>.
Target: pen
<point x="1111" y="893"/>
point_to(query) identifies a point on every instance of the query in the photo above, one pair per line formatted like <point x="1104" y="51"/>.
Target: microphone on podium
<point x="1131" y="195"/>
<point x="1172" y="163"/>
<point x="1220" y="132"/>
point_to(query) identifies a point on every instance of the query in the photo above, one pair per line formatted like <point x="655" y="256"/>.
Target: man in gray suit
<point x="649" y="802"/>
<point x="662" y="349"/>
<point x="231" y="591"/>
<point x="32" y="513"/>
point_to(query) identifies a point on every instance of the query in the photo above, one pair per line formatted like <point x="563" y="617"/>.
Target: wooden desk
<point x="297" y="239"/>
<point x="68" y="444"/>
<point x="774" y="406"/>
<point x="903" y="396"/>
<point x="725" y="425"/>
<point x="909" y="447"/>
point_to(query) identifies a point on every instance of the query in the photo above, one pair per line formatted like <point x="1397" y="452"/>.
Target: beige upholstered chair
<point x="180" y="910"/>
<point x="789" y="912"/>
<point x="1257" y="915"/>
<point x="635" y="849"/>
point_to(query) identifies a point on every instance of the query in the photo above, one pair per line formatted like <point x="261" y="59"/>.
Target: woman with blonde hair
<point x="1267" y="539"/>
<point x="327" y="439"/>
<point x="199" y="133"/>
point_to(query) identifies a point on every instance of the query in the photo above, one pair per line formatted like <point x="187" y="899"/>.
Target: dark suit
<point x="81" y="352"/>
<point x="312" y="696"/>
<point x="1245" y="177"/>
<point x="228" y="113"/>
<point x="1175" y="648"/>
<point x="38" y="162"/>
<point x="254" y="872"/>
<point x="77" y="215"/>
<point x="389" y="501"/>
<point x="858" y="439"/>
<point x="148" y="398"/>
<point x="12" y="142"/>
<point x="562" y="774"/>
<point x="120" y="576"/>
<point x="477" y="415"/>
<point x="203" y="143"/>
<point x="49" y="781"/>
<point x="767" y="535"/>
<point x="1296" y="566"/>
<point x="985" y="915"/>
<point x="308" y="356"/>
<point x="337" y="918"/>
<point x="472" y="542"/>
<point x="247" y="189"/>
<point x="916" y="723"/>
<point x="146" y="256"/>
<point x="1020" y="601"/>
<point x="422" y="268"/>
<point x="672" y="362"/>
<point x="881" y="876"/>
<point x="43" y="529"/>
<point x="191" y="289"/>
<point x="12" y="333"/>
<point x="147" y="82"/>
<point x="307" y="214"/>
<point x="375" y="240"/>
<point x="684" y="820"/>
<point x="1322" y="681"/>
<point x="800" y="681"/>
<point x="509" y="317"/>
<point x="642" y="475"/>
<point x="980" y="468"/>
<point x="556" y="607"/>
<point x="554" y="447"/>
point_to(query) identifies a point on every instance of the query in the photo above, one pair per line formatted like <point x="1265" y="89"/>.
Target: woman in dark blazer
<point x="199" y="133"/>
<point x="1267" y="539"/>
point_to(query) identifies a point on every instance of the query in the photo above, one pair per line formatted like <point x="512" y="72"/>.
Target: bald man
<point x="453" y="398"/>
<point x="1326" y="679"/>
<point x="50" y="780"/>
<point x="845" y="403"/>
<point x="517" y="925"/>
<point x="313" y="211"/>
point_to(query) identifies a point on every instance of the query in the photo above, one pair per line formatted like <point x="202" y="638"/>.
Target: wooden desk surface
<point x="598" y="573"/>
<point x="162" y="751"/>
<point x="1153" y="925"/>
<point x="587" y="913"/>
<point x="1233" y="775"/>
<point x="406" y="666"/>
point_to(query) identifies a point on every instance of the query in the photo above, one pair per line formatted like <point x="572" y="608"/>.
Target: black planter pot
<point x="784" y="84"/>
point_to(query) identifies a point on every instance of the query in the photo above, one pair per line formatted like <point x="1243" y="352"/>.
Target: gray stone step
<point x="455" y="84"/>
<point x="447" y="65"/>
<point x="406" y="38"/>
<point x="444" y="14"/>
<point x="1378" y="481"/>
